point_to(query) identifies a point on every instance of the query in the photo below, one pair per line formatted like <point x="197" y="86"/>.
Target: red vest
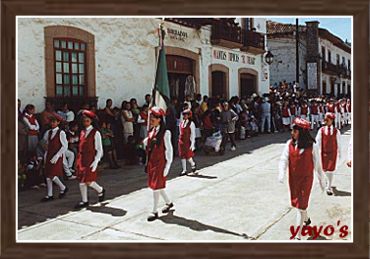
<point x="344" y="107"/>
<point x="301" y="168"/>
<point x="314" y="109"/>
<point x="156" y="162"/>
<point x="54" y="145"/>
<point x="348" y="107"/>
<point x="329" y="148"/>
<point x="85" y="157"/>
<point x="32" y="120"/>
<point x="285" y="112"/>
<point x="330" y="107"/>
<point x="304" y="110"/>
<point x="292" y="110"/>
<point x="184" y="141"/>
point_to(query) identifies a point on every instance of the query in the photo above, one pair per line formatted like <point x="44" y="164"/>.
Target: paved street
<point x="235" y="197"/>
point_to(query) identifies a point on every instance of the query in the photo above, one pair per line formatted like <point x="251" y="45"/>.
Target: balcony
<point x="337" y="70"/>
<point x="226" y="34"/>
<point x="253" y="42"/>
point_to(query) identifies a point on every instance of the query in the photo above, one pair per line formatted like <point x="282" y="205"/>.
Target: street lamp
<point x="269" y="58"/>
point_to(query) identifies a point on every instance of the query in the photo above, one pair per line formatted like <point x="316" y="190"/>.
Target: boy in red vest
<point x="285" y="114"/>
<point x="303" y="111"/>
<point x="57" y="145"/>
<point x="160" y="154"/>
<point x="301" y="157"/>
<point x="314" y="112"/>
<point x="328" y="141"/>
<point x="90" y="152"/>
<point x="338" y="115"/>
<point x="187" y="141"/>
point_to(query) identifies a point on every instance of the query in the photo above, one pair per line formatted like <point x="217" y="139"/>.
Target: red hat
<point x="330" y="115"/>
<point x="157" y="111"/>
<point x="89" y="114"/>
<point x="187" y="111"/>
<point x="304" y="124"/>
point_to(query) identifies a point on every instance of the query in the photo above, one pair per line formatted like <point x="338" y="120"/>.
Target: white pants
<point x="303" y="116"/>
<point x="266" y="116"/>
<point x="338" y="119"/>
<point x="314" y="119"/>
<point x="321" y="118"/>
<point x="68" y="159"/>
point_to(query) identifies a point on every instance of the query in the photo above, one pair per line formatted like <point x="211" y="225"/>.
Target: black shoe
<point x="62" y="194"/>
<point x="183" y="173"/>
<point x="101" y="195"/>
<point x="152" y="216"/>
<point x="47" y="198"/>
<point x="81" y="205"/>
<point x="194" y="168"/>
<point x="167" y="208"/>
<point x="329" y="192"/>
<point x="308" y="222"/>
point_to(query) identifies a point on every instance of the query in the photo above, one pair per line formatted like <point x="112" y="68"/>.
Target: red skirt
<point x="156" y="180"/>
<point x="84" y="173"/>
<point x="52" y="170"/>
<point x="300" y="190"/>
<point x="329" y="161"/>
<point x="184" y="150"/>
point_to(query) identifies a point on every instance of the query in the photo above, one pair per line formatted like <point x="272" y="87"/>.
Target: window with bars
<point x="70" y="68"/>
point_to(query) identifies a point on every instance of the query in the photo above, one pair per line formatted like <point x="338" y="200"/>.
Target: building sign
<point x="175" y="34"/>
<point x="233" y="57"/>
<point x="312" y="76"/>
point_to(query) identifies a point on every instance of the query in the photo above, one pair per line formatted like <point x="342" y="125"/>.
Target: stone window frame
<point x="249" y="71"/>
<point x="62" y="31"/>
<point x="219" y="68"/>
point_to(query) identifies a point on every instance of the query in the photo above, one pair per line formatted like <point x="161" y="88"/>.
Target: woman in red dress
<point x="159" y="152"/>
<point x="187" y="141"/>
<point x="90" y="152"/>
<point x="328" y="141"/>
<point x="57" y="145"/>
<point x="301" y="158"/>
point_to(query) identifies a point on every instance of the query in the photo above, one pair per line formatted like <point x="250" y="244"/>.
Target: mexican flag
<point x="161" y="90"/>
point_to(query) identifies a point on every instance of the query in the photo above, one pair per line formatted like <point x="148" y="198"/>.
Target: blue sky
<point x="340" y="27"/>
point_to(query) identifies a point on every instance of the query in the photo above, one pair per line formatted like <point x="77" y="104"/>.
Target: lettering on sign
<point x="234" y="57"/>
<point x="311" y="75"/>
<point x="177" y="34"/>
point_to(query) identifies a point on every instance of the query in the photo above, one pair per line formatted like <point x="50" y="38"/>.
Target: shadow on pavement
<point x="202" y="176"/>
<point x="170" y="218"/>
<point x="340" y="193"/>
<point x="108" y="210"/>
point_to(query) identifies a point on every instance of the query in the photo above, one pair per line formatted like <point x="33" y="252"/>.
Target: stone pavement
<point x="235" y="197"/>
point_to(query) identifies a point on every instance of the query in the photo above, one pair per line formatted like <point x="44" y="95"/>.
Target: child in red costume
<point x="57" y="145"/>
<point x="187" y="141"/>
<point x="328" y="141"/>
<point x="90" y="152"/>
<point x="160" y="154"/>
<point x="300" y="157"/>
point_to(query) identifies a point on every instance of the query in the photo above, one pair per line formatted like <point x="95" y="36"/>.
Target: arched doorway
<point x="219" y="81"/>
<point x="247" y="82"/>
<point x="323" y="87"/>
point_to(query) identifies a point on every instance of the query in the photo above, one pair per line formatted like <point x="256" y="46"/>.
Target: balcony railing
<point x="226" y="35"/>
<point x="339" y="70"/>
<point x="254" y="40"/>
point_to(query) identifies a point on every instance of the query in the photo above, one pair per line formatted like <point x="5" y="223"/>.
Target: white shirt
<point x="29" y="125"/>
<point x="167" y="145"/>
<point x="349" y="151"/>
<point x="62" y="138"/>
<point x="97" y="143"/>
<point x="284" y="160"/>
<point x="326" y="132"/>
<point x="192" y="132"/>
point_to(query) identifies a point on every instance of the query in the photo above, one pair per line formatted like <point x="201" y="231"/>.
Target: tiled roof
<point x="282" y="28"/>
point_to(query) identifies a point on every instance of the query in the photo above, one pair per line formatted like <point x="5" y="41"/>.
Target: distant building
<point x="324" y="59"/>
<point x="75" y="60"/>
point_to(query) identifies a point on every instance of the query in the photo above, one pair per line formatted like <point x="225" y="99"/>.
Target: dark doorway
<point x="177" y="85"/>
<point x="323" y="88"/>
<point x="247" y="84"/>
<point x="219" y="84"/>
<point x="332" y="85"/>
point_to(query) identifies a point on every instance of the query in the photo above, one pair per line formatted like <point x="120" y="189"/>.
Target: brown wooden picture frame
<point x="358" y="249"/>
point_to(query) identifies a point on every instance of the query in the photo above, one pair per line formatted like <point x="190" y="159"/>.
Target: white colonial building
<point x="75" y="60"/>
<point x="324" y="59"/>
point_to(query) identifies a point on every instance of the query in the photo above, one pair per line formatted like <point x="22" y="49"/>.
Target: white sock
<point x="329" y="176"/>
<point x="155" y="200"/>
<point x="57" y="181"/>
<point x="164" y="196"/>
<point x="183" y="163"/>
<point x="83" y="190"/>
<point x="300" y="220"/>
<point x="49" y="184"/>
<point x="96" y="187"/>
<point x="305" y="215"/>
<point x="191" y="161"/>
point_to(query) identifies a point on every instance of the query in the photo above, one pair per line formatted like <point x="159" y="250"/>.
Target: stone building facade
<point x="324" y="59"/>
<point x="75" y="60"/>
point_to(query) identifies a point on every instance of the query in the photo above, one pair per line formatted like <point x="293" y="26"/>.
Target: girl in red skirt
<point x="187" y="141"/>
<point x="300" y="156"/>
<point x="90" y="152"/>
<point x="328" y="141"/>
<point x="159" y="152"/>
<point x="57" y="144"/>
